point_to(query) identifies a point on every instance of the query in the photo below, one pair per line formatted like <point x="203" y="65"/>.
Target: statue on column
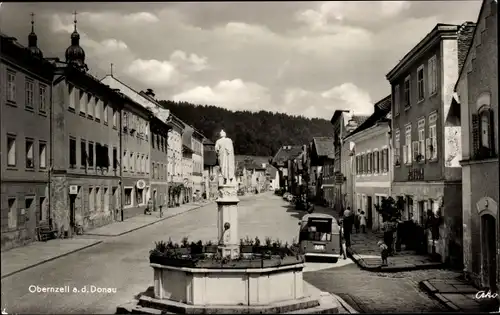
<point x="225" y="157"/>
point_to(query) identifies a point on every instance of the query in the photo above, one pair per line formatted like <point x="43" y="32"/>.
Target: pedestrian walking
<point x="362" y="221"/>
<point x="388" y="235"/>
<point x="347" y="223"/>
<point x="343" y="246"/>
<point x="356" y="220"/>
<point x="384" y="252"/>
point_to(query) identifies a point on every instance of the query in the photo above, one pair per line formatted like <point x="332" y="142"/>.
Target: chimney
<point x="150" y="93"/>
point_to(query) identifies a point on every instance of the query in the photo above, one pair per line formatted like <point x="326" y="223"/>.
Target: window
<point x="128" y="196"/>
<point x="29" y="202"/>
<point x="153" y="141"/>
<point x="105" y="113"/>
<point x="72" y="91"/>
<point x="42" y="214"/>
<point x="42" y="152"/>
<point x="105" y="207"/>
<point x="125" y="161"/>
<point x="397" y="148"/>
<point x="139" y="195"/>
<point x="397" y="100"/>
<point x="154" y="172"/>
<point x="83" y="102"/>
<point x="12" y="202"/>
<point x="72" y="152"/>
<point x="83" y="153"/>
<point x="11" y="150"/>
<point x="125" y="121"/>
<point x="421" y="140"/>
<point x="432" y="137"/>
<point x="376" y="162"/>
<point x="98" y="198"/>
<point x="91" y="199"/>
<point x="91" y="154"/>
<point x="43" y="98"/>
<point x="29" y="86"/>
<point x="131" y="161"/>
<point x="420" y="83"/>
<point x="115" y="118"/>
<point x="407" y="146"/>
<point x="98" y="108"/>
<point x="30" y="162"/>
<point x="483" y="133"/>
<point x="369" y="162"/>
<point x="432" y="74"/>
<point x="11" y="86"/>
<point x="407" y="92"/>
<point x="90" y="105"/>
<point x="115" y="158"/>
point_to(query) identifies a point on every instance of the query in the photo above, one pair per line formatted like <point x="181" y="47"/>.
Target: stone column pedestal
<point x="227" y="222"/>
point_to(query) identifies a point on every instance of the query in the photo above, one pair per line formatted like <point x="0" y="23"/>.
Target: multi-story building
<point x="282" y="161"/>
<point x="187" y="163"/>
<point x="320" y="152"/>
<point x="159" y="163"/>
<point x="174" y="153"/>
<point x="85" y="171"/>
<point x="476" y="110"/>
<point x="25" y="127"/>
<point x="343" y="122"/>
<point x="135" y="151"/>
<point x="371" y="163"/>
<point x="209" y="169"/>
<point x="427" y="173"/>
<point x="197" y="172"/>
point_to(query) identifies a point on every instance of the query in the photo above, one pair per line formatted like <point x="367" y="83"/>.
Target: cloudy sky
<point x="301" y="58"/>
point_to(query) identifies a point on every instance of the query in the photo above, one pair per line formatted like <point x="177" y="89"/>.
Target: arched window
<point x="483" y="133"/>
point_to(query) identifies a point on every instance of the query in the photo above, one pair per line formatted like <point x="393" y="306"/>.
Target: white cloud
<point x="190" y="61"/>
<point x="153" y="72"/>
<point x="112" y="19"/>
<point x="231" y="94"/>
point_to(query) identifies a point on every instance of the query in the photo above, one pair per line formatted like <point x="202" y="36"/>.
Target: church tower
<point x="75" y="54"/>
<point x="32" y="40"/>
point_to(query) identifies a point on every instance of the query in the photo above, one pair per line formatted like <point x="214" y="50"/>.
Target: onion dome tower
<point x="75" y="54"/>
<point x="32" y="40"/>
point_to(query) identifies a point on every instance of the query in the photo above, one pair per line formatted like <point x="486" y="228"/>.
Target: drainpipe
<point x="120" y="130"/>
<point x="51" y="152"/>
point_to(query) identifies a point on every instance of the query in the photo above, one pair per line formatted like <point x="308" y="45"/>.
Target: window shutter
<point x="386" y="165"/>
<point x="404" y="154"/>
<point x="492" y="132"/>
<point x="475" y="134"/>
<point x="428" y="149"/>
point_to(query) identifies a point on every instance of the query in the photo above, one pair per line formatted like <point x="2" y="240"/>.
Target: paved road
<point x="122" y="263"/>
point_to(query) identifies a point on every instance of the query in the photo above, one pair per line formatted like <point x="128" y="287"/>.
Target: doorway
<point x="72" y="214"/>
<point x="369" y="210"/>
<point x="155" y="201"/>
<point x="488" y="251"/>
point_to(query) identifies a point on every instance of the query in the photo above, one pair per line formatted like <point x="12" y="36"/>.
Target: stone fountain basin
<point x="238" y="283"/>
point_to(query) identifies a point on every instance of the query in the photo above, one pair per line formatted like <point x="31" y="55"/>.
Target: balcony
<point x="416" y="174"/>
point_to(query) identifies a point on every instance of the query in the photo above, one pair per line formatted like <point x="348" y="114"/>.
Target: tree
<point x="388" y="209"/>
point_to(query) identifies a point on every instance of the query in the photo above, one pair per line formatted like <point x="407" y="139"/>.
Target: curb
<point x="361" y="264"/>
<point x="344" y="304"/>
<point x="150" y="223"/>
<point x="432" y="291"/>
<point x="52" y="258"/>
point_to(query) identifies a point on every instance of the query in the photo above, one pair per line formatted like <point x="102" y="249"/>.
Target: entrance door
<point x="72" y="214"/>
<point x="369" y="210"/>
<point x="155" y="201"/>
<point x="488" y="251"/>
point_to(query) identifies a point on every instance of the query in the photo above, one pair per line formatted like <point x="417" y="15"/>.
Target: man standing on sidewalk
<point x="348" y="222"/>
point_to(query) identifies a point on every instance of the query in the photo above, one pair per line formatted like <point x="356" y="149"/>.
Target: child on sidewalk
<point x="384" y="252"/>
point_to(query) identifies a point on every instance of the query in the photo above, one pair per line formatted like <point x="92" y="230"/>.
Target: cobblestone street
<point x="122" y="262"/>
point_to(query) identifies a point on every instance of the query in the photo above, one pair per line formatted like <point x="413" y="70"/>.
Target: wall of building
<point x="24" y="198"/>
<point x="158" y="172"/>
<point x="135" y="160"/>
<point x="175" y="155"/>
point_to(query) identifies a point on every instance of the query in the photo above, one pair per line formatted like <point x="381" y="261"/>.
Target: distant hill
<point x="253" y="133"/>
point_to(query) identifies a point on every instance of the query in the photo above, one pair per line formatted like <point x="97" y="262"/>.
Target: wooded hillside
<point x="253" y="133"/>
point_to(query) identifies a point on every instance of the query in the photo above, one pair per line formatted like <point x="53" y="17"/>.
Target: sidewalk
<point x="34" y="254"/>
<point x="142" y="220"/>
<point x="459" y="296"/>
<point x="366" y="254"/>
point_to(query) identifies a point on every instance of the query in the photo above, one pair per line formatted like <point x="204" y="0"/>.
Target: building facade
<point x="25" y="127"/>
<point x="476" y="110"/>
<point x="174" y="154"/>
<point x="209" y="169"/>
<point x="282" y="161"/>
<point x="159" y="163"/>
<point x="320" y="152"/>
<point x="187" y="164"/>
<point x="372" y="163"/>
<point x="197" y="172"/>
<point x="427" y="173"/>
<point x="343" y="122"/>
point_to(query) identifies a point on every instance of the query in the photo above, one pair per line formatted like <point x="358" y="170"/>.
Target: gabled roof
<point x="382" y="108"/>
<point x="336" y="115"/>
<point x="271" y="170"/>
<point x="286" y="153"/>
<point x="324" y="146"/>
